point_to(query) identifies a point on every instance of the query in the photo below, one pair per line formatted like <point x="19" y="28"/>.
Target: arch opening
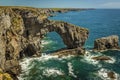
<point x="52" y="42"/>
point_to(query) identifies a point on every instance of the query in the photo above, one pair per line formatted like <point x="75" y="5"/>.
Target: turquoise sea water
<point x="100" y="22"/>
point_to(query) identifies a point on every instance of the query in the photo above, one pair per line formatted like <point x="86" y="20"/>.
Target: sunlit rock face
<point x="105" y="43"/>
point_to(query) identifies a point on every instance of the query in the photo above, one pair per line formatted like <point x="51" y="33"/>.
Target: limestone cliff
<point x="21" y="31"/>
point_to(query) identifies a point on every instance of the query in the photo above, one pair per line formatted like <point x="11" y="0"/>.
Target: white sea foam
<point x="88" y="58"/>
<point x="45" y="57"/>
<point x="113" y="60"/>
<point x="45" y="42"/>
<point x="20" y="78"/>
<point x="103" y="74"/>
<point x="54" y="72"/>
<point x="70" y="68"/>
<point x="24" y="66"/>
<point x="67" y="57"/>
<point x="26" y="62"/>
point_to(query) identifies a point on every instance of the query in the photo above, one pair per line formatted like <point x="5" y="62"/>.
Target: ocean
<point x="100" y="22"/>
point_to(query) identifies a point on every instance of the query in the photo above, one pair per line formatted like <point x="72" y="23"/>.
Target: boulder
<point x="105" y="43"/>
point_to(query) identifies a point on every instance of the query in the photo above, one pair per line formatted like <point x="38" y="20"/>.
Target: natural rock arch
<point x="35" y="29"/>
<point x="52" y="42"/>
<point x="72" y="35"/>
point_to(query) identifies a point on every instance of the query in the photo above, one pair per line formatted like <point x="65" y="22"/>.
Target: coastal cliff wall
<point x="21" y="31"/>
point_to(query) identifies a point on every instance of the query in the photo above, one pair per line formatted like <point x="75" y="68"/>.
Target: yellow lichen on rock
<point x="16" y="23"/>
<point x="4" y="76"/>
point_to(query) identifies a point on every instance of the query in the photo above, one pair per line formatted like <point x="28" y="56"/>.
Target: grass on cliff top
<point x="27" y="7"/>
<point x="23" y="7"/>
<point x="20" y="7"/>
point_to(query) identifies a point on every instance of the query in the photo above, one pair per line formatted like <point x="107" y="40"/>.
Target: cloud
<point x="111" y="5"/>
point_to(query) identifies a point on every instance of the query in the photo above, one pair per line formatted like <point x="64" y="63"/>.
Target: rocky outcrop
<point x="67" y="52"/>
<point x="101" y="58"/>
<point x="21" y="31"/>
<point x="105" y="43"/>
<point x="111" y="75"/>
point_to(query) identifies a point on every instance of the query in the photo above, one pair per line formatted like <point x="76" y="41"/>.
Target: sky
<point x="63" y="3"/>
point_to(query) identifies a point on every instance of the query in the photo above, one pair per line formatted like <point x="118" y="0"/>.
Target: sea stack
<point x="106" y="43"/>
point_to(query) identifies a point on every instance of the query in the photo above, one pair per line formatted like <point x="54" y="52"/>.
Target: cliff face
<point x="104" y="43"/>
<point x="11" y="29"/>
<point x="21" y="31"/>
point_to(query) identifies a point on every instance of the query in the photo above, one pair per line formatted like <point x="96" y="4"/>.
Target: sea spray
<point x="88" y="57"/>
<point x="103" y="73"/>
<point x="70" y="69"/>
<point x="52" y="71"/>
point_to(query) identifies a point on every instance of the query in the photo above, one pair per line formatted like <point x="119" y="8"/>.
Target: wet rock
<point x="67" y="52"/>
<point x="101" y="58"/>
<point x="111" y="75"/>
<point x="105" y="43"/>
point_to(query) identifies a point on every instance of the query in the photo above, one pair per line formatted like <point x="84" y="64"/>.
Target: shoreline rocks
<point x="111" y="75"/>
<point x="101" y="58"/>
<point x="67" y="52"/>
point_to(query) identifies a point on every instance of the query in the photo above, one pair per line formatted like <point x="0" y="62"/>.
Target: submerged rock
<point x="105" y="43"/>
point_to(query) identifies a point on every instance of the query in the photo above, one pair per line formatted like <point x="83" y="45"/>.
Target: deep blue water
<point x="100" y="22"/>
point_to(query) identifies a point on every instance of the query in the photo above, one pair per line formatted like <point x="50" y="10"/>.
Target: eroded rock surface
<point x="67" y="52"/>
<point x="105" y="43"/>
<point x="101" y="58"/>
<point x="21" y="31"/>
